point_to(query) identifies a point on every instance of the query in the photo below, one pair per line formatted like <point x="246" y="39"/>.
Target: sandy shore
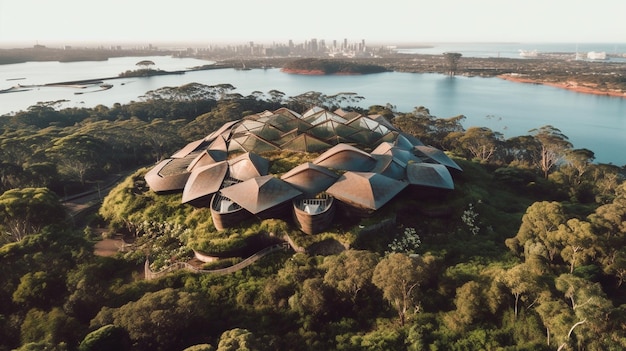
<point x="570" y="85"/>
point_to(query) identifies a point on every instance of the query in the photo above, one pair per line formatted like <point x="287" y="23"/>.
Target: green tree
<point x="522" y="283"/>
<point x="452" y="59"/>
<point x="540" y="224"/>
<point x="554" y="147"/>
<point x="578" y="241"/>
<point x="79" y="155"/>
<point x="481" y="142"/>
<point x="470" y="306"/>
<point x="51" y="328"/>
<point x="158" y="320"/>
<point x="27" y="211"/>
<point x="398" y="276"/>
<point x="589" y="306"/>
<point x="238" y="340"/>
<point x="609" y="223"/>
<point x="351" y="271"/>
<point x="37" y="289"/>
<point x="106" y="338"/>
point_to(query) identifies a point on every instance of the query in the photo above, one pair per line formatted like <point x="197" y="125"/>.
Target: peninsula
<point x="557" y="69"/>
<point x="589" y="77"/>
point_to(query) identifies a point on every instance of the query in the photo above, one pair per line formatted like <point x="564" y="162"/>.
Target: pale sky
<point x="264" y="21"/>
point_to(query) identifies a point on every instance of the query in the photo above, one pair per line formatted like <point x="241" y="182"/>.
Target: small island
<point x="314" y="66"/>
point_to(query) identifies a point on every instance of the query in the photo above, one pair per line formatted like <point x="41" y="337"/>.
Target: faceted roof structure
<point x="366" y="190"/>
<point x="346" y="157"/>
<point x="260" y="193"/>
<point x="429" y="174"/>
<point x="361" y="161"/>
<point x="205" y="181"/>
<point x="310" y="178"/>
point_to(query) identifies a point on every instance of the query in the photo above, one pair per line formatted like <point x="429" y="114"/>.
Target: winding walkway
<point x="149" y="274"/>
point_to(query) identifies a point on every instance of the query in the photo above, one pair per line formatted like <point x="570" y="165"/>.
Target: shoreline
<point x="569" y="85"/>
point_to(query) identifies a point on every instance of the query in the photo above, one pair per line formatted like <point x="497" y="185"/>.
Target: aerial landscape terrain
<point x="144" y="207"/>
<point x="269" y="222"/>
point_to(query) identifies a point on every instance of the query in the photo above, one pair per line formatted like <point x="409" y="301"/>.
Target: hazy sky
<point x="206" y="21"/>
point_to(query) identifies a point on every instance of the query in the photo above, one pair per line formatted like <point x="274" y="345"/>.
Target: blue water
<point x="594" y="122"/>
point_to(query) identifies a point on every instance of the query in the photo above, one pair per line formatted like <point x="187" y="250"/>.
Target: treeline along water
<point x="594" y="122"/>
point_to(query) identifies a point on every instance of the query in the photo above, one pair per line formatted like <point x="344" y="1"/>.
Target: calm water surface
<point x="594" y="122"/>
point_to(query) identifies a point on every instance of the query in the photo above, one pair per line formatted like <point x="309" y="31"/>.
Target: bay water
<point x="594" y="122"/>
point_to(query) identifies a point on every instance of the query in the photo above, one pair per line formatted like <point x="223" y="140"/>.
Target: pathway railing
<point x="149" y="274"/>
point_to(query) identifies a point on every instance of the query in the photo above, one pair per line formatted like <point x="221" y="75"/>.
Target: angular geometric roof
<point x="224" y="131"/>
<point x="204" y="181"/>
<point x="342" y="140"/>
<point x="310" y="178"/>
<point x="260" y="193"/>
<point x="305" y="143"/>
<point x="323" y="116"/>
<point x="433" y="154"/>
<point x="189" y="148"/>
<point x="168" y="175"/>
<point x="259" y="128"/>
<point x="363" y="122"/>
<point x="407" y="141"/>
<point x="429" y="174"/>
<point x="346" y="157"/>
<point x="251" y="143"/>
<point x="366" y="190"/>
<point x="313" y="110"/>
<point x="206" y="157"/>
<point x="400" y="155"/>
<point x="248" y="165"/>
<point x="386" y="166"/>
<point x="329" y="129"/>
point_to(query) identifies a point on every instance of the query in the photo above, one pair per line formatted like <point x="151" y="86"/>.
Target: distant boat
<point x="593" y="55"/>
<point x="528" y="53"/>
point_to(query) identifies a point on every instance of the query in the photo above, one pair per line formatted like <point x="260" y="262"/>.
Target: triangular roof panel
<point x="251" y="143"/>
<point x="204" y="181"/>
<point x="365" y="190"/>
<point x="310" y="178"/>
<point x="189" y="148"/>
<point x="429" y="174"/>
<point x="248" y="165"/>
<point x="305" y="143"/>
<point x="430" y="153"/>
<point x="260" y="193"/>
<point x="346" y="157"/>
<point x="224" y="131"/>
<point x="168" y="175"/>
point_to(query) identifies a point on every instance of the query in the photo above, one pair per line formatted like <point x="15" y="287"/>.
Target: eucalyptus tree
<point x="609" y="224"/>
<point x="276" y="96"/>
<point x="578" y="241"/>
<point x="452" y="59"/>
<point x="482" y="143"/>
<point x="540" y="224"/>
<point x="523" y="285"/>
<point x="350" y="272"/>
<point x="399" y="276"/>
<point x="554" y="145"/>
<point x="238" y="339"/>
<point x="78" y="155"/>
<point x="160" y="320"/>
<point x="26" y="211"/>
<point x="589" y="311"/>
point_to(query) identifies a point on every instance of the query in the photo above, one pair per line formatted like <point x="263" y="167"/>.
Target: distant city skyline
<point x="28" y="22"/>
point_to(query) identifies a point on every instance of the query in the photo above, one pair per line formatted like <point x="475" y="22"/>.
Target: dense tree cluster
<point x="329" y="66"/>
<point x="527" y="253"/>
